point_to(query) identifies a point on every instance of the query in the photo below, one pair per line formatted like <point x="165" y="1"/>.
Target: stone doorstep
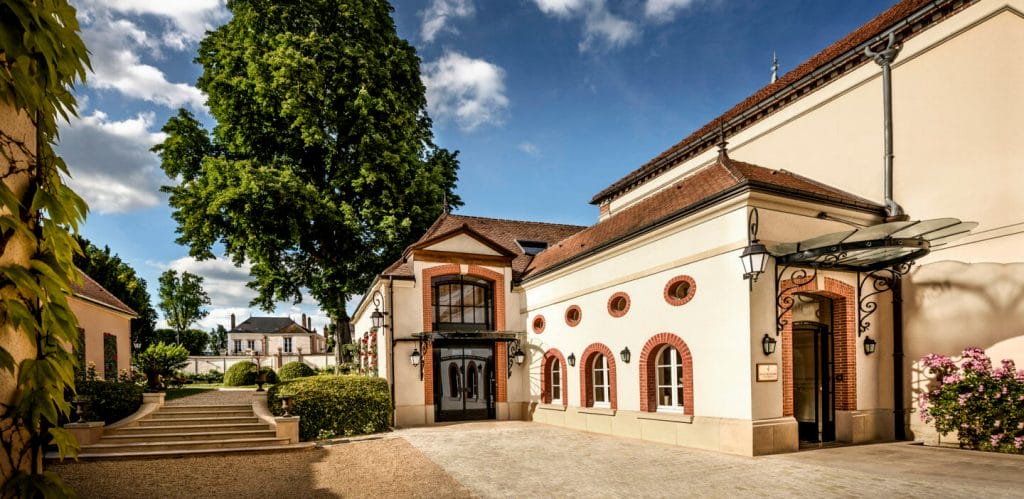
<point x="198" y="414"/>
<point x="183" y="421"/>
<point x="193" y="436"/>
<point x="53" y="457"/>
<point x="102" y="448"/>
<point x="131" y="430"/>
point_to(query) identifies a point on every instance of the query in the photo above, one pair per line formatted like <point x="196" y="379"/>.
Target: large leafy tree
<point x="193" y="340"/>
<point x="321" y="166"/>
<point x="182" y="300"/>
<point x="121" y="280"/>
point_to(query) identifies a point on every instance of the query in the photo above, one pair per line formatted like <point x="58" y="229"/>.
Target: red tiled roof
<point x="704" y="138"/>
<point x="725" y="177"/>
<point x="91" y="290"/>
<point x="503" y="233"/>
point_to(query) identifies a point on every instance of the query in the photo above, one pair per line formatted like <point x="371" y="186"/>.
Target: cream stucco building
<point x="642" y="325"/>
<point x="105" y="327"/>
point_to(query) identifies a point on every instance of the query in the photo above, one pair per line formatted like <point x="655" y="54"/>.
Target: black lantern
<point x="377" y="317"/>
<point x="869" y="345"/>
<point x="520" y="357"/>
<point x="755" y="255"/>
<point x="572" y="359"/>
<point x="137" y="344"/>
<point x="625" y="355"/>
<point x="768" y="344"/>
<point x="415" y="357"/>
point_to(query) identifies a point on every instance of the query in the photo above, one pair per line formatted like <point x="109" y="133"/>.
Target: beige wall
<point x="98" y="320"/>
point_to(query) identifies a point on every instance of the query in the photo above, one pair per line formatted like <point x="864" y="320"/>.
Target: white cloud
<point x="116" y="64"/>
<point x="601" y="28"/>
<point x="110" y="163"/>
<point x="437" y="17"/>
<point x="664" y="10"/>
<point x="188" y="20"/>
<point x="469" y="91"/>
<point x="529" y="148"/>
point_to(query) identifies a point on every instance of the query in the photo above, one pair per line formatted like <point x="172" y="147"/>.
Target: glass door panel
<point x="465" y="382"/>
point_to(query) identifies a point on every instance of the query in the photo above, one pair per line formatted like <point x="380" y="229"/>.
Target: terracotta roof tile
<point x="265" y="325"/>
<point x="695" y="191"/>
<point x="91" y="290"/>
<point x="699" y="141"/>
<point x="504" y="233"/>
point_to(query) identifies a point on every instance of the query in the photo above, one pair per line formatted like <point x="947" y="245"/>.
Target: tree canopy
<point x="182" y="300"/>
<point x="121" y="280"/>
<point x="321" y="167"/>
<point x="193" y="340"/>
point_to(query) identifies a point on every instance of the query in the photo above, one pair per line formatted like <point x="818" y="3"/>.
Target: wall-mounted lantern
<point x="768" y="344"/>
<point x="572" y="359"/>
<point x="755" y="255"/>
<point x="377" y="317"/>
<point x="415" y="358"/>
<point x="869" y="345"/>
<point x="625" y="355"/>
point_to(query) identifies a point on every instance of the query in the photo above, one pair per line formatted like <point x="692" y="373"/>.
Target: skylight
<point x="532" y="247"/>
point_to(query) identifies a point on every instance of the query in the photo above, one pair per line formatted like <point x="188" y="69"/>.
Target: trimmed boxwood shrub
<point x="244" y="373"/>
<point x="335" y="405"/>
<point x="109" y="401"/>
<point x="295" y="369"/>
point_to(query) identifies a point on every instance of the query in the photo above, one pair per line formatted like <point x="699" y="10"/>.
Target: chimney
<point x="304" y="323"/>
<point x="232" y="322"/>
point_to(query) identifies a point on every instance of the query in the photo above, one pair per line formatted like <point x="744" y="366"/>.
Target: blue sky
<point x="548" y="102"/>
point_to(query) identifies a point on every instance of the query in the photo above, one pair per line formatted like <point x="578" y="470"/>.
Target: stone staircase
<point x="189" y="430"/>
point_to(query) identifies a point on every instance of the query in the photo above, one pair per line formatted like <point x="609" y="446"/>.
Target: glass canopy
<point x="872" y="248"/>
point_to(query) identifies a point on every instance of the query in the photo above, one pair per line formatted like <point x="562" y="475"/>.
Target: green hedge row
<point x="109" y="401"/>
<point x="295" y="369"/>
<point x="333" y="406"/>
<point x="244" y="373"/>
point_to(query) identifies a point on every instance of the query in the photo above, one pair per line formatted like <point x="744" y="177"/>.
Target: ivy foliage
<point x="321" y="168"/>
<point x="41" y="57"/>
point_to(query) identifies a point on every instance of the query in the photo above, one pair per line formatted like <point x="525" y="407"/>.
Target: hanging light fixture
<point x="520" y="357"/>
<point x="755" y="255"/>
<point x="869" y="345"/>
<point x="377" y="317"/>
<point x="415" y="357"/>
<point x="768" y="344"/>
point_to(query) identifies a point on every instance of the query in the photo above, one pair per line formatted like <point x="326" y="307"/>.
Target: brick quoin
<point x="844" y="336"/>
<point x="498" y="280"/>
<point x="550" y="357"/>
<point x="501" y="353"/>
<point x="586" y="376"/>
<point x="649" y="379"/>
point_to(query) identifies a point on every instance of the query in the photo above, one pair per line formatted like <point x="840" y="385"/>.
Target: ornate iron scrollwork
<point x="512" y="348"/>
<point x="882" y="280"/>
<point x="784" y="301"/>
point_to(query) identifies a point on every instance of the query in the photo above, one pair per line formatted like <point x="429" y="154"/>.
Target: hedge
<point x="335" y="405"/>
<point x="109" y="401"/>
<point x="295" y="369"/>
<point x="244" y="373"/>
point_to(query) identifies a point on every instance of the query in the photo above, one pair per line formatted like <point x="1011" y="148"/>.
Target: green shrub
<point x="335" y="405"/>
<point x="244" y="373"/>
<point x="109" y="401"/>
<point x="160" y="360"/>
<point x="294" y="370"/>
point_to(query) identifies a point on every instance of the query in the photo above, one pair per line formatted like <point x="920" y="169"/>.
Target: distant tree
<point x="182" y="300"/>
<point x="194" y="340"/>
<point x="321" y="167"/>
<point x="122" y="281"/>
<point x="218" y="339"/>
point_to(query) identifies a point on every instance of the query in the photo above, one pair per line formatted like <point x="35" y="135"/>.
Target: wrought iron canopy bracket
<point x="424" y="343"/>
<point x="784" y="302"/>
<point x="511" y="347"/>
<point x="882" y="280"/>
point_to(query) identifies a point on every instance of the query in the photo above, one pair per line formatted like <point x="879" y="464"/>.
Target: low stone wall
<point x="207" y="363"/>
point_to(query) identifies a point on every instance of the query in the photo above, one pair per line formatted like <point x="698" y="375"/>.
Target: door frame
<point x="824" y="380"/>
<point x="489" y="387"/>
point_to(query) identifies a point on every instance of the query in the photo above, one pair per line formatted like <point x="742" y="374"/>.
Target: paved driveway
<point x="517" y="459"/>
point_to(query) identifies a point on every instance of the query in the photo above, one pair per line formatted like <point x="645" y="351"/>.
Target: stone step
<point x="133" y="430"/>
<point x="183" y="445"/>
<point x="201" y="414"/>
<point x="85" y="455"/>
<point x="186" y="436"/>
<point x="231" y="407"/>
<point x="198" y="421"/>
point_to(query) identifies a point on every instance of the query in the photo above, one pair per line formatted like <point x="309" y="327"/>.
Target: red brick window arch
<point x="679" y="290"/>
<point x="553" y="377"/>
<point x="618" y="304"/>
<point x="671" y="389"/>
<point x="538" y="324"/>
<point x="597" y="377"/>
<point x="573" y="315"/>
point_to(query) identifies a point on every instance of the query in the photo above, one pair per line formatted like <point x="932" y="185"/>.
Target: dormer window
<point x="532" y="247"/>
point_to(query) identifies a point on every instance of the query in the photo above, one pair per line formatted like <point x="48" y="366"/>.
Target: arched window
<point x="601" y="383"/>
<point x="454" y="390"/>
<point x="472" y="383"/>
<point x="462" y="303"/>
<point x="669" y="371"/>
<point x="552" y="378"/>
<point x="555" y="386"/>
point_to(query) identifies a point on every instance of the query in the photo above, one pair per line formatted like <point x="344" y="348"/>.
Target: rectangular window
<point x="556" y="383"/>
<point x="600" y="374"/>
<point x="287" y="345"/>
<point x="109" y="356"/>
<point x="238" y="346"/>
<point x="251" y="344"/>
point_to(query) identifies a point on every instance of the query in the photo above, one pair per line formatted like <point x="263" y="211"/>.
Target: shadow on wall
<point x="952" y="305"/>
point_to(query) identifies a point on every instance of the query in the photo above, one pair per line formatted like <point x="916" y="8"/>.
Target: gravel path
<point x="388" y="467"/>
<point x="216" y="397"/>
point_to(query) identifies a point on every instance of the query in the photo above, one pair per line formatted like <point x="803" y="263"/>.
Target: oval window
<point x="679" y="290"/>
<point x="573" y="315"/>
<point x="538" y="324"/>
<point x="618" y="304"/>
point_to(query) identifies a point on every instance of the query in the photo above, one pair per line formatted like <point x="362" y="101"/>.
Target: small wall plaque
<point x="767" y="372"/>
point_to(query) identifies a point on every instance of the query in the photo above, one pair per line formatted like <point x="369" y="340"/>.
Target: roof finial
<point x="775" y="67"/>
<point x="722" y="152"/>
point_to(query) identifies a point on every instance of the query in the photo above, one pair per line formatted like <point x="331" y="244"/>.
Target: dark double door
<point x="464" y="381"/>
<point x="814" y="382"/>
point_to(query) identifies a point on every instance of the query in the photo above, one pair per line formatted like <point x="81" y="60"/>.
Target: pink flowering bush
<point x="985" y="406"/>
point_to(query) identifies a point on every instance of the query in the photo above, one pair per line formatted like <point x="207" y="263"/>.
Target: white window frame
<point x="675" y="384"/>
<point x="251" y="344"/>
<point x="238" y="346"/>
<point x="287" y="344"/>
<point x="556" y="367"/>
<point x="600" y="364"/>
